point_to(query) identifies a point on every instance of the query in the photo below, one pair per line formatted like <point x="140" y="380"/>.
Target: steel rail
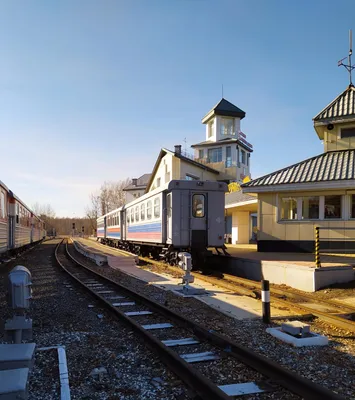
<point x="279" y="375"/>
<point x="193" y="378"/>
<point x="333" y="319"/>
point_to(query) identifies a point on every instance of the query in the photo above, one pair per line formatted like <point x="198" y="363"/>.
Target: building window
<point x="226" y="127"/>
<point x="228" y="156"/>
<point x="137" y="213"/>
<point x="332" y="206"/>
<point x="200" y="154"/>
<point x="310" y="207"/>
<point x="243" y="156"/>
<point x="215" y="155"/>
<point x="198" y="205"/>
<point x="149" y="209"/>
<point x="210" y="129"/>
<point x="347" y="132"/>
<point x="158" y="182"/>
<point x="289" y="208"/>
<point x="156" y="207"/>
<point x="189" y="177"/>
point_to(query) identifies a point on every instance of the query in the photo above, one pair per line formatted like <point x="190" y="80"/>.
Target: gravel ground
<point x="331" y="366"/>
<point x="106" y="360"/>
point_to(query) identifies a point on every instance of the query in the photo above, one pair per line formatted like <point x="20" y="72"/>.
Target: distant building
<point x="137" y="187"/>
<point x="319" y="191"/>
<point x="225" y="148"/>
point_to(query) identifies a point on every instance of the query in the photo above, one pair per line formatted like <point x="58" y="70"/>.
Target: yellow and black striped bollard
<point x="316" y="247"/>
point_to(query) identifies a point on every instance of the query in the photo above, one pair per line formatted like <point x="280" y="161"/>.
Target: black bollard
<point x="265" y="298"/>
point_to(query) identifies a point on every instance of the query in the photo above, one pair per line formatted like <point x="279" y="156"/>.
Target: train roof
<point x="175" y="184"/>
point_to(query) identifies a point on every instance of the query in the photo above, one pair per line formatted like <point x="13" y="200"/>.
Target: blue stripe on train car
<point x="153" y="227"/>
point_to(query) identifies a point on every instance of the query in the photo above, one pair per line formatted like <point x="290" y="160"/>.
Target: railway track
<point x="185" y="346"/>
<point x="338" y="314"/>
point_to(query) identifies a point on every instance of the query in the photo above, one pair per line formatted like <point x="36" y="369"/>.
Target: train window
<point x="198" y="205"/>
<point x="132" y="216"/>
<point x="142" y="212"/>
<point x="149" y="209"/>
<point x="157" y="207"/>
<point x="118" y="220"/>
<point x="127" y="216"/>
<point x="2" y="205"/>
<point x="137" y="213"/>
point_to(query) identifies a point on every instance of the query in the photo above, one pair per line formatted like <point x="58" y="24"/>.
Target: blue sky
<point x="91" y="90"/>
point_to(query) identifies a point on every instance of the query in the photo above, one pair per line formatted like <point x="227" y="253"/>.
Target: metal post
<point x="316" y="247"/>
<point x="265" y="298"/>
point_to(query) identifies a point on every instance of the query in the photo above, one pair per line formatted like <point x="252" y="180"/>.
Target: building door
<point x="198" y="215"/>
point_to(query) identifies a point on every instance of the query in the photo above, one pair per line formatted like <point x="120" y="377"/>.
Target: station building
<point x="317" y="192"/>
<point x="136" y="188"/>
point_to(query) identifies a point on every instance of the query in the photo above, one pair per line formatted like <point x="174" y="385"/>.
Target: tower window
<point x="210" y="129"/>
<point x="215" y="155"/>
<point x="227" y="125"/>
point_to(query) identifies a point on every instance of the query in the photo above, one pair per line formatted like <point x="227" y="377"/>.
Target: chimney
<point x="178" y="149"/>
<point x="134" y="181"/>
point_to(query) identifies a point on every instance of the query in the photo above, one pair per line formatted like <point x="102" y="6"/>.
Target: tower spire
<point x="349" y="67"/>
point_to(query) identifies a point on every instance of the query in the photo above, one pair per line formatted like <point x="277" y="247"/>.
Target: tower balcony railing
<point x="226" y="163"/>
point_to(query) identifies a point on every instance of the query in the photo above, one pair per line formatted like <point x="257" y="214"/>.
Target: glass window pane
<point x="137" y="213"/>
<point x="310" y="207"/>
<point x="332" y="206"/>
<point x="157" y="207"/>
<point x="198" y="205"/>
<point x="149" y="209"/>
<point x="289" y="208"/>
<point x="142" y="212"/>
<point x="132" y="214"/>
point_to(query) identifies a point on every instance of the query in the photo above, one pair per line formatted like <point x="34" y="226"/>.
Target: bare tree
<point x="112" y="195"/>
<point x="93" y="211"/>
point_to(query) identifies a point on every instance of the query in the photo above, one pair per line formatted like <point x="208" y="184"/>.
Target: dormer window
<point x="227" y="126"/>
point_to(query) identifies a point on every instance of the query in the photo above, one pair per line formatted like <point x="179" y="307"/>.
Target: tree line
<point x="109" y="197"/>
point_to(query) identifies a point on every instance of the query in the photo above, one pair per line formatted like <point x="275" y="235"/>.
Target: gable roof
<point x="224" y="107"/>
<point x="333" y="166"/>
<point x="164" y="151"/>
<point x="342" y="107"/>
<point x="142" y="182"/>
<point x="239" y="197"/>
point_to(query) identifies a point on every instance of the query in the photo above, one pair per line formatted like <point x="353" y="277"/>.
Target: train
<point x="182" y="215"/>
<point x="19" y="226"/>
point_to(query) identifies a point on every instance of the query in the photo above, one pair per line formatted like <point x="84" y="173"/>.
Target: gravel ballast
<point x="332" y="366"/>
<point x="106" y="360"/>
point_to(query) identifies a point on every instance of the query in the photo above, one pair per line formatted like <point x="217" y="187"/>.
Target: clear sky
<point x="91" y="90"/>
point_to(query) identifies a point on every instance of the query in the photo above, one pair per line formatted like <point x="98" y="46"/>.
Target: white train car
<point x="19" y="226"/>
<point x="180" y="216"/>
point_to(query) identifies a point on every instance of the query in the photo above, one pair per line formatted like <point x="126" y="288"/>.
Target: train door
<point x="169" y="221"/>
<point x="198" y="219"/>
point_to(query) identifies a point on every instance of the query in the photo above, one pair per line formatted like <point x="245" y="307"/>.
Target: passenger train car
<point x="180" y="216"/>
<point x="19" y="226"/>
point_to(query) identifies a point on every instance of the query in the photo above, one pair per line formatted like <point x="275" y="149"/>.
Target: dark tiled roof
<point x="223" y="141"/>
<point x="330" y="166"/>
<point x="238" y="197"/>
<point x="224" y="107"/>
<point x="141" y="183"/>
<point x="340" y="108"/>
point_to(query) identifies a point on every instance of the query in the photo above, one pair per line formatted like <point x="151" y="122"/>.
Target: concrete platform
<point x="98" y="253"/>
<point x="296" y="270"/>
<point x="239" y="307"/>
